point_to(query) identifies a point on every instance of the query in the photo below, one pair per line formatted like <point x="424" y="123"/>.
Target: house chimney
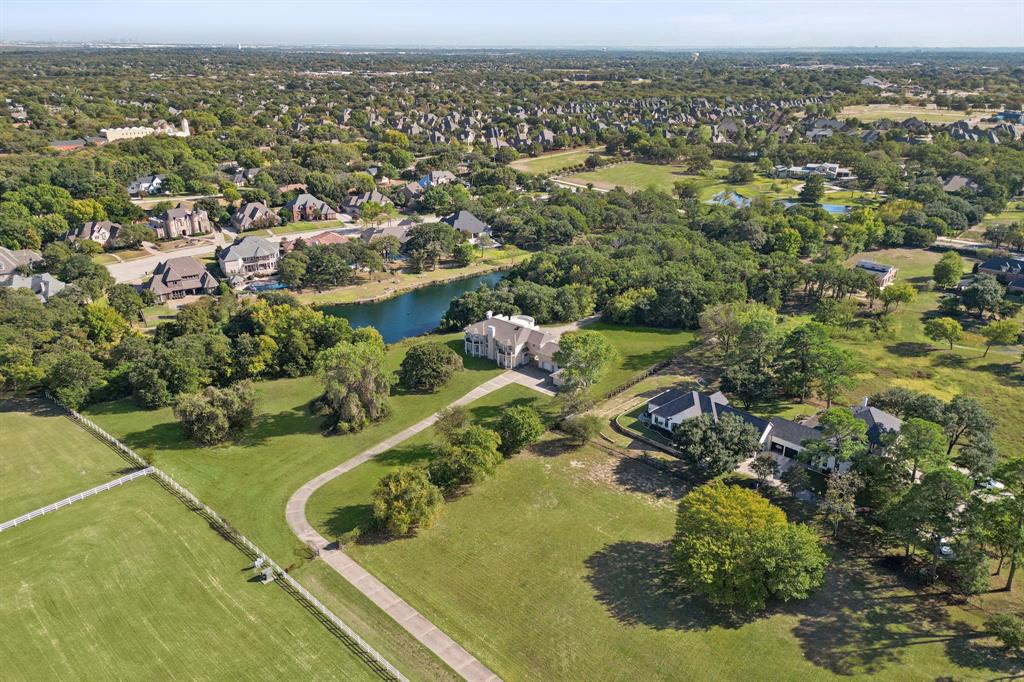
<point x="490" y="314"/>
<point x="864" y="403"/>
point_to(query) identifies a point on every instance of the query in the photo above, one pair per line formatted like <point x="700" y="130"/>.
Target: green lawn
<point x="552" y="570"/>
<point x="155" y="314"/>
<point x="555" y="161"/>
<point x="343" y="505"/>
<point x="630" y="420"/>
<point x="249" y="482"/>
<point x="638" y="348"/>
<point x="307" y="226"/>
<point x="47" y="458"/>
<point x="634" y="176"/>
<point x="132" y="585"/>
<point x="868" y="113"/>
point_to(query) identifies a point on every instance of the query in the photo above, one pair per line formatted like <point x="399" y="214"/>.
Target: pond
<point x="413" y="313"/>
<point x="835" y="209"/>
<point x="730" y="198"/>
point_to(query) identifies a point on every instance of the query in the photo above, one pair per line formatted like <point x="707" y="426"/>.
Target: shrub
<point x="581" y="427"/>
<point x="404" y="500"/>
<point x="210" y="416"/>
<point x="519" y="427"/>
<point x="1008" y="629"/>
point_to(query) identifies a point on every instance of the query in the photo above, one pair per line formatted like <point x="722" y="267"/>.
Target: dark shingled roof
<point x="790" y="431"/>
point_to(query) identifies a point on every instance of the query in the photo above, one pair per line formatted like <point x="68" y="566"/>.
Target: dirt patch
<point x="632" y="477"/>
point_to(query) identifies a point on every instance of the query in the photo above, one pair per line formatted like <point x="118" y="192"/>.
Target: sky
<point x="684" y="24"/>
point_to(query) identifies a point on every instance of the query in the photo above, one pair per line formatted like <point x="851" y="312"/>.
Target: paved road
<point x="138" y="270"/>
<point x="449" y="651"/>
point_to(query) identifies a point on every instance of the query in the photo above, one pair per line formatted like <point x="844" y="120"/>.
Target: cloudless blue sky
<point x="525" y="23"/>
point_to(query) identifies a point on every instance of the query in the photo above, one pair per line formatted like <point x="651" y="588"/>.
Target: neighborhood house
<point x="250" y="256"/>
<point x="180" y="277"/>
<point x="180" y="222"/>
<point x="307" y="207"/>
<point x="254" y="215"/>
<point x="103" y="232"/>
<point x="11" y="260"/>
<point x="44" y="286"/>
<point x="147" y="184"/>
<point x="468" y="224"/>
<point x="883" y="274"/>
<point x="1009" y="271"/>
<point x="353" y="205"/>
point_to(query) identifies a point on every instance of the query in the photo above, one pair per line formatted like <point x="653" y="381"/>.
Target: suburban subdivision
<point x="466" y="356"/>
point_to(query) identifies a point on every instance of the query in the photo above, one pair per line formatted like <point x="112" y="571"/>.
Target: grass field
<point x="868" y="113"/>
<point x="132" y="585"/>
<point x="155" y="314"/>
<point x="553" y="570"/>
<point x="908" y="358"/>
<point x="638" y="348"/>
<point x="306" y="226"/>
<point x="554" y="161"/>
<point x="634" y="176"/>
<point x="47" y="458"/>
<point x="250" y="481"/>
<point x="398" y="282"/>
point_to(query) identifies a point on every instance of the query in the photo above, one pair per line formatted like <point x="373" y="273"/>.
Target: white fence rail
<point x="280" y="573"/>
<point x="74" y="498"/>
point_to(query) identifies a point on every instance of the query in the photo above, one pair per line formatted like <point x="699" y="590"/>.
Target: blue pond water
<point x="411" y="314"/>
<point x="835" y="209"/>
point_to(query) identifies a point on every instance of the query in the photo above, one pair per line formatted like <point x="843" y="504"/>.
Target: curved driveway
<point x="449" y="651"/>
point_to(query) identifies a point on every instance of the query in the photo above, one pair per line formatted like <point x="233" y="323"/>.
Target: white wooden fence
<point x="74" y="498"/>
<point x="278" y="572"/>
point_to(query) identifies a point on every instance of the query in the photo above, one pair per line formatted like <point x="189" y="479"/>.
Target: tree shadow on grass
<point x="966" y="651"/>
<point x="407" y="454"/>
<point x="864" y="620"/>
<point x="949" y="360"/>
<point x="634" y="582"/>
<point x="554" y="447"/>
<point x="1012" y="373"/>
<point x="348" y="518"/>
<point x="637" y="475"/>
<point x="910" y="349"/>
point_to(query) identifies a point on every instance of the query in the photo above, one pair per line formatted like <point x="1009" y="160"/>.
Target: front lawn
<point x="553" y="569"/>
<point x="307" y="226"/>
<point x="344" y="504"/>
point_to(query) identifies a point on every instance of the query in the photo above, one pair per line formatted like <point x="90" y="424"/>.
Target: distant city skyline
<point x="656" y="24"/>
